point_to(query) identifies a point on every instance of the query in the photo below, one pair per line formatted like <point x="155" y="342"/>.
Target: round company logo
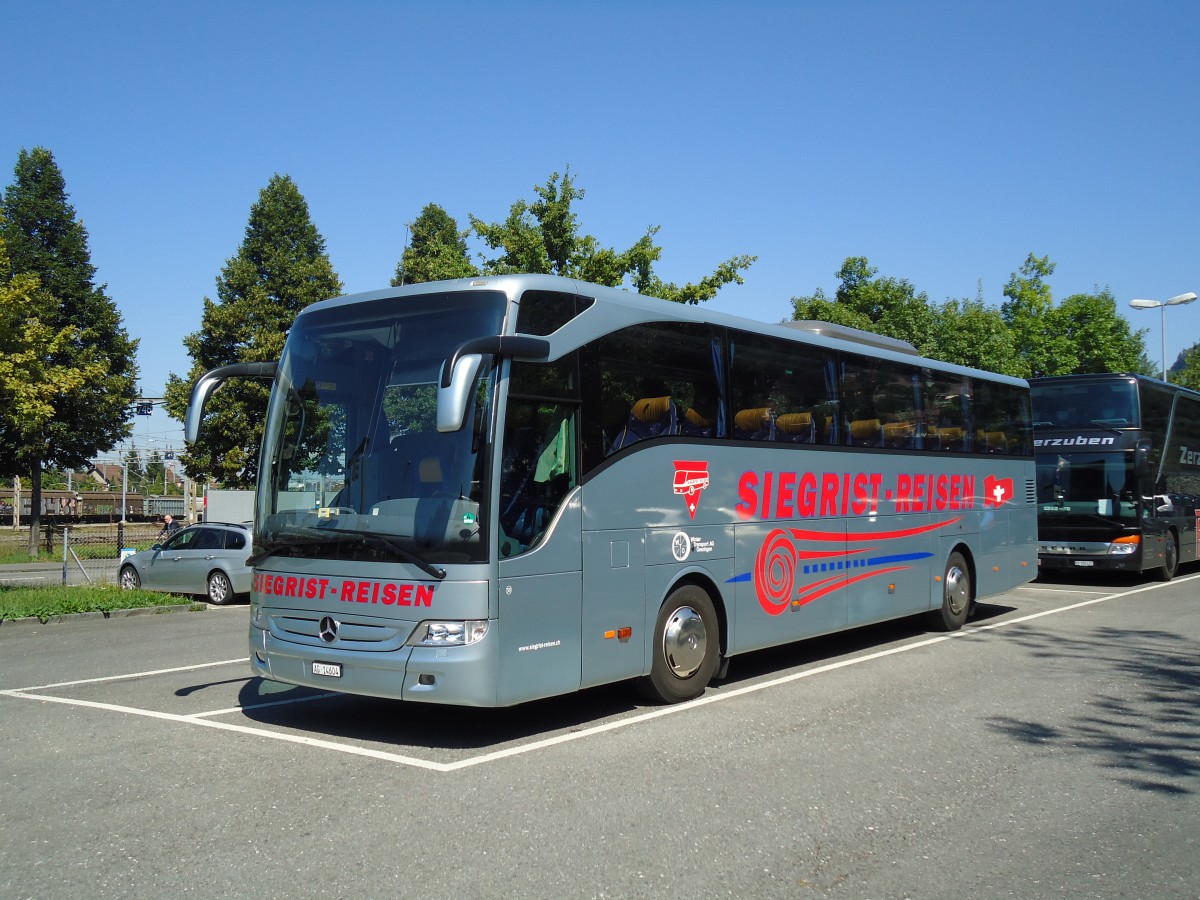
<point x="681" y="546"/>
<point x="328" y="629"/>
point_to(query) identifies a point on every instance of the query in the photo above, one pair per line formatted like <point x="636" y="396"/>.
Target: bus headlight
<point x="448" y="634"/>
<point x="1123" y="546"/>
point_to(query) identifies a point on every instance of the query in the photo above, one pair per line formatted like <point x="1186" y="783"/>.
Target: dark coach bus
<point x="1118" y="473"/>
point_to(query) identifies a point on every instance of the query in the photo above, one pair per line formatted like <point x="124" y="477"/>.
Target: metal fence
<point x="84" y="541"/>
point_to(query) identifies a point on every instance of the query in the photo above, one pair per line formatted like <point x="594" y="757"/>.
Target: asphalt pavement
<point x="1050" y="749"/>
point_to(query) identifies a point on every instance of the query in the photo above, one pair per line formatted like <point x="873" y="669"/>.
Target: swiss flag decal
<point x="997" y="491"/>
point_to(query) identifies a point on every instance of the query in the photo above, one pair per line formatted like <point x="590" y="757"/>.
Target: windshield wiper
<point x="400" y="550"/>
<point x="319" y="537"/>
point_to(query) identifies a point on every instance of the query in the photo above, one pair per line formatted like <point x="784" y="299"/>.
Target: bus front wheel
<point x="686" y="644"/>
<point x="1170" y="558"/>
<point x="956" y="596"/>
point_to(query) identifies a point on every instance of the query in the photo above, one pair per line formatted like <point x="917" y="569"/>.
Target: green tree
<point x="1100" y="338"/>
<point x="436" y="250"/>
<point x="1027" y="313"/>
<point x="887" y="306"/>
<point x="88" y="371"/>
<point x="971" y="333"/>
<point x="544" y="237"/>
<point x="1186" y="370"/>
<point x="819" y="308"/>
<point x="280" y="268"/>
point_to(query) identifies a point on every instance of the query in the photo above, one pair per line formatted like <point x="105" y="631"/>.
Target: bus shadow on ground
<point x="431" y="727"/>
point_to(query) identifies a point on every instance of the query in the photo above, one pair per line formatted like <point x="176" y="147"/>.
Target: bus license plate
<point x="1084" y="562"/>
<point x="330" y="670"/>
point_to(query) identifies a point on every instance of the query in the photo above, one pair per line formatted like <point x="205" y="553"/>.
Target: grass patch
<point x="47" y="602"/>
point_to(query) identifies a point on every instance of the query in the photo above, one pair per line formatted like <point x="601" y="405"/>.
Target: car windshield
<point x="351" y="444"/>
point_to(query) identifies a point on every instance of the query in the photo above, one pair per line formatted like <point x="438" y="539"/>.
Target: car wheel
<point x="220" y="591"/>
<point x="129" y="578"/>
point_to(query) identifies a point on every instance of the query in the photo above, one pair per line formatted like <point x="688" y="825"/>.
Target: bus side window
<point x="650" y="381"/>
<point x="779" y="395"/>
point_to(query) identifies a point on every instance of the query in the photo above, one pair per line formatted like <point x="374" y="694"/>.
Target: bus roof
<point x="620" y="308"/>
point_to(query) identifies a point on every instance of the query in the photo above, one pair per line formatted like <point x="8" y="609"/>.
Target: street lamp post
<point x="1162" y="305"/>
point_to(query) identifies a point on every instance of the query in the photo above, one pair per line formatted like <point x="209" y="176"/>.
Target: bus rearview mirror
<point x="452" y="399"/>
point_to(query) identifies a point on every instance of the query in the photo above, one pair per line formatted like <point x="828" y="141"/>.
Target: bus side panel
<point x="1007" y="537"/>
<point x="896" y="557"/>
<point x="614" y="598"/>
<point x="789" y="585"/>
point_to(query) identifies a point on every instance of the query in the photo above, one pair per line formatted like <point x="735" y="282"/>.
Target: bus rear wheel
<point x="1170" y="558"/>
<point x="687" y="639"/>
<point x="956" y="596"/>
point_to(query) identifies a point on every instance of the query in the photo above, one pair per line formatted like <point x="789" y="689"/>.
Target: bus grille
<point x="351" y="634"/>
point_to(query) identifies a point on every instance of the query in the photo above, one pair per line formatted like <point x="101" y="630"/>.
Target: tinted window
<point x="651" y="381"/>
<point x="946" y="406"/>
<point x="879" y="402"/>
<point x="208" y="539"/>
<point x="235" y="540"/>
<point x="782" y="392"/>
<point x="544" y="312"/>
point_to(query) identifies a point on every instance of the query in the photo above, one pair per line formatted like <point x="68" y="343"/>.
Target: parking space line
<point x="230" y="710"/>
<point x="207" y="665"/>
<point x="239" y="729"/>
<point x="717" y="696"/>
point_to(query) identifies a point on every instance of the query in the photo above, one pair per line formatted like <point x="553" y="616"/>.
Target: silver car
<point x="208" y="560"/>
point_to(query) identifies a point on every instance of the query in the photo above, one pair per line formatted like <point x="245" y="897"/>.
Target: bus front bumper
<point x="1092" y="556"/>
<point x="461" y="676"/>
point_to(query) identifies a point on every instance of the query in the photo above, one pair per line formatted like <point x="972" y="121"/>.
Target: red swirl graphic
<point x="775" y="572"/>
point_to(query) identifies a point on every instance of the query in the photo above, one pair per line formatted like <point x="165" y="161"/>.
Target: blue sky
<point x="944" y="141"/>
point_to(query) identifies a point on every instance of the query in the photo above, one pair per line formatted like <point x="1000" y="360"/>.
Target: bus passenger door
<point x="539" y="613"/>
<point x="540" y="520"/>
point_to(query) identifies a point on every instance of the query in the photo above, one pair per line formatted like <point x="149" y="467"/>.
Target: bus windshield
<point x="1077" y="404"/>
<point x="1083" y="487"/>
<point x="353" y="466"/>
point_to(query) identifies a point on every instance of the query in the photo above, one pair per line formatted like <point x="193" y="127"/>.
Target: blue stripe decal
<point x="737" y="578"/>
<point x="899" y="557"/>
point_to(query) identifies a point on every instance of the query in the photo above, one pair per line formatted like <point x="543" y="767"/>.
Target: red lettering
<point x="943" y="492"/>
<point x="424" y="595"/>
<point x="364" y="592"/>
<point x="277" y="585"/>
<point x="748" y="504"/>
<point x="389" y="594"/>
<point x="406" y="591"/>
<point x="860" y="493"/>
<point x="310" y="588"/>
<point x="289" y="587"/>
<point x="806" y="495"/>
<point x="348" y="591"/>
<point x="787" y="486"/>
<point x="876" y="483"/>
<point x="903" y="493"/>
<point x="968" y="492"/>
<point x="766" y="495"/>
<point x="829" y="490"/>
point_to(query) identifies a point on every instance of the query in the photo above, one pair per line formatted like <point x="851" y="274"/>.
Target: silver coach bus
<point x="488" y="491"/>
